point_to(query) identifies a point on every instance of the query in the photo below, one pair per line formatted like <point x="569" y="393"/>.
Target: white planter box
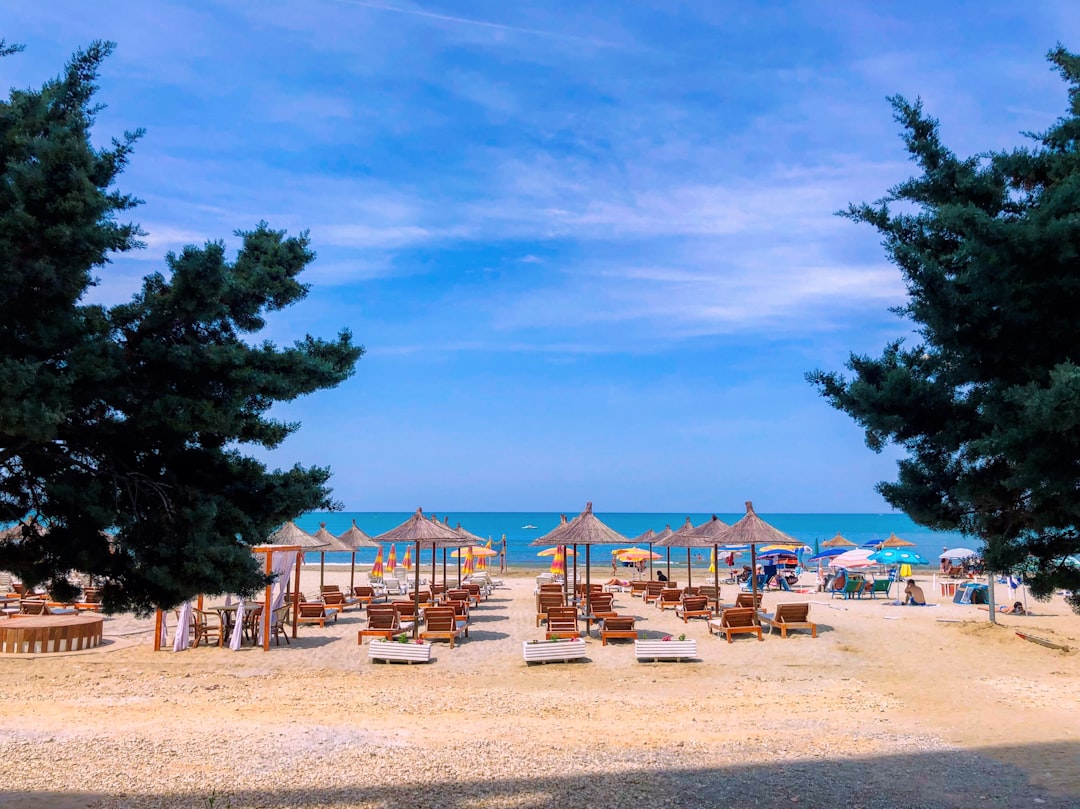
<point x="547" y="650"/>
<point x="665" y="649"/>
<point x="391" y="650"/>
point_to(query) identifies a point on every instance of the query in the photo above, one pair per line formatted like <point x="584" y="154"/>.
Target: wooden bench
<point x="33" y="634"/>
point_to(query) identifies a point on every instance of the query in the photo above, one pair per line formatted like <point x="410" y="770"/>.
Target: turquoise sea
<point x="811" y="529"/>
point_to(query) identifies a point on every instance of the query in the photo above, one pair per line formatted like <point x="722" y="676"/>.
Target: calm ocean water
<point x="811" y="529"/>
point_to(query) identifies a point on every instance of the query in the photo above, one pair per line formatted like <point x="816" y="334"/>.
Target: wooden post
<point x="157" y="630"/>
<point x="296" y="592"/>
<point x="416" y="591"/>
<point x="689" y="576"/>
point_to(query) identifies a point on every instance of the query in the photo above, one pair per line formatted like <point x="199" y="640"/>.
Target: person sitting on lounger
<point x="913" y="594"/>
<point x="660" y="576"/>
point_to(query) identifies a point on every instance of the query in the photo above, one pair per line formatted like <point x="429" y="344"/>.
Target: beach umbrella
<point x="753" y="531"/>
<point x="391" y="558"/>
<point x="690" y="537"/>
<point x="558" y="560"/>
<point x="406" y="560"/>
<point x="712" y="531"/>
<point x="660" y="536"/>
<point x="354" y="539"/>
<point x="585" y="529"/>
<point x="552" y="551"/>
<point x="838" y="542"/>
<point x="828" y="554"/>
<point x="958" y="553"/>
<point x="858" y="557"/>
<point x="634" y="554"/>
<point x="895" y="542"/>
<point x="897" y="556"/>
<point x="470" y="561"/>
<point x="329" y="543"/>
<point x="420" y="531"/>
<point x="377" y="565"/>
<point x="477" y="551"/>
<point x="482" y="562"/>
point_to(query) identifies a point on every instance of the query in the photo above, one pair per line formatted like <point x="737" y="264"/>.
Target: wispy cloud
<point x="416" y="11"/>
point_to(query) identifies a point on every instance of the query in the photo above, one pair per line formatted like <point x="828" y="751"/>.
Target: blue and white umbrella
<point x="897" y="556"/>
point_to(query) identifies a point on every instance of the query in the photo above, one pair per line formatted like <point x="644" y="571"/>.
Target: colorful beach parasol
<point x="377" y="566"/>
<point x="552" y="551"/>
<point x="897" y="556"/>
<point x="470" y="561"/>
<point x="558" y="561"/>
<point x="406" y="560"/>
<point x="859" y="557"/>
<point x="482" y="562"/>
<point x="391" y="559"/>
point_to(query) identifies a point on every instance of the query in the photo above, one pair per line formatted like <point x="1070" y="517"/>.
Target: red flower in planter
<point x="666" y="637"/>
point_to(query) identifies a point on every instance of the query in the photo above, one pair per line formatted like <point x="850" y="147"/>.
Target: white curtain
<point x="163" y="638"/>
<point x="183" y="628"/>
<point x="283" y="564"/>
<point x="237" y="637"/>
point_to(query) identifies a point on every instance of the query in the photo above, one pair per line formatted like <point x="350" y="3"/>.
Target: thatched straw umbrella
<point x="674" y="540"/>
<point x="895" y="542"/>
<point x="419" y="530"/>
<point x="585" y="529"/>
<point x="354" y="539"/>
<point x="292" y="534"/>
<point x="687" y="537"/>
<point x="656" y="540"/>
<point x="753" y="531"/>
<point x="838" y="542"/>
<point x="330" y="543"/>
<point x="710" y="532"/>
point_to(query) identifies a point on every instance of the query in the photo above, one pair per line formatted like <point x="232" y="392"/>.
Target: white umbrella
<point x="958" y="553"/>
<point x="859" y="557"/>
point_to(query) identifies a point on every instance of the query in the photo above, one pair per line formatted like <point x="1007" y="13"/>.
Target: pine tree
<point x="987" y="404"/>
<point x="122" y="428"/>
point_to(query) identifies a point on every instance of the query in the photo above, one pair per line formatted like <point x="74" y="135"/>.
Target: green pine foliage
<point x="987" y="404"/>
<point x="122" y="429"/>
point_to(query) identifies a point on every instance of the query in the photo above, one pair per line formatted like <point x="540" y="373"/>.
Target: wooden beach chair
<point x="315" y="612"/>
<point x="383" y="622"/>
<point x="694" y="607"/>
<point x="669" y="597"/>
<point x="789" y="616"/>
<point x="563" y="623"/>
<point x="441" y="624"/>
<point x="617" y="626"/>
<point x="652" y="591"/>
<point x="339" y="601"/>
<point x="736" y="620"/>
<point x="749" y="600"/>
<point x="406" y="610"/>
<point x="637" y="588"/>
<point x="546" y="600"/>
<point x="712" y="593"/>
<point x="461" y="611"/>
<point x="365" y="594"/>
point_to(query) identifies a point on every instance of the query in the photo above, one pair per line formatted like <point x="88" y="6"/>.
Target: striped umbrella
<point x="406" y="561"/>
<point x="470" y="562"/>
<point x="377" y="566"/>
<point x="391" y="560"/>
<point x="558" y="561"/>
<point x="482" y="562"/>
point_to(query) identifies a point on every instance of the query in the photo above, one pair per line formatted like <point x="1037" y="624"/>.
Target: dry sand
<point x="889" y="706"/>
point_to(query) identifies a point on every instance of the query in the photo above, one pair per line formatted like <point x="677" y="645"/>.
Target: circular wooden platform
<point x="35" y="634"/>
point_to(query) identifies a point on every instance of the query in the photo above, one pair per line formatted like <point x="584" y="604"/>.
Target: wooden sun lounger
<point x="617" y="626"/>
<point x="441" y="623"/>
<point x="736" y="620"/>
<point x="669" y="597"/>
<point x="694" y="607"/>
<point x="383" y="622"/>
<point x="789" y="616"/>
<point x="562" y="623"/>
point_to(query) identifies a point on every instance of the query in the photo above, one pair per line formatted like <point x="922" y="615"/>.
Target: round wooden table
<point x="30" y="634"/>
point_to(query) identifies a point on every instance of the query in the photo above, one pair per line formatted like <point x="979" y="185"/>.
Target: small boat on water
<point x="529" y="527"/>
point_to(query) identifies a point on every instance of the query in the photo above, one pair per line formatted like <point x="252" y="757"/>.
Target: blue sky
<point x="590" y="248"/>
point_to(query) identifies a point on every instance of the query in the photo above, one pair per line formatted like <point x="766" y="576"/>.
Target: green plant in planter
<point x="682" y="636"/>
<point x="402" y="638"/>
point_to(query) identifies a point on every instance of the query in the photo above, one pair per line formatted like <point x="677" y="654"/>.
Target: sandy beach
<point x="888" y="706"/>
